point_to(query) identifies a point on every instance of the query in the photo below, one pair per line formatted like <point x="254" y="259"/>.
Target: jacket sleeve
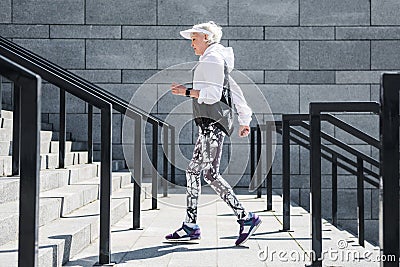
<point x="240" y="103"/>
<point x="211" y="80"/>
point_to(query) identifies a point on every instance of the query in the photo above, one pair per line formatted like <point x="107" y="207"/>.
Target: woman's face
<point x="199" y="43"/>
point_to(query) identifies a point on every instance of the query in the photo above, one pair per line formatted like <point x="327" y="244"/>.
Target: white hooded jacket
<point x="209" y="79"/>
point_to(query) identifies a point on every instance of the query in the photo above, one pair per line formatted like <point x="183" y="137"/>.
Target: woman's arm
<point x="240" y="103"/>
<point x="179" y="89"/>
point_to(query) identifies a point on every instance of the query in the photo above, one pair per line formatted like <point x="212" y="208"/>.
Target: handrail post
<point x="1" y="94"/>
<point x="29" y="172"/>
<point x="389" y="170"/>
<point x="137" y="181"/>
<point x="360" y="200"/>
<point x="252" y="158"/>
<point x="315" y="179"/>
<point x="165" y="161"/>
<point x="105" y="186"/>
<point x="334" y="190"/>
<point x="269" y="164"/>
<point x="154" y="176"/>
<point x="259" y="162"/>
<point x="90" y="133"/>
<point x="286" y="172"/>
<point x="173" y="154"/>
<point x="61" y="138"/>
<point x="16" y="130"/>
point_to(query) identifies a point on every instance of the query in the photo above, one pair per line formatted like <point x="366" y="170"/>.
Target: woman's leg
<point x="193" y="184"/>
<point x="212" y="176"/>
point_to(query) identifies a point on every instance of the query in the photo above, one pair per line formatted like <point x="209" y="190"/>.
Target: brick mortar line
<point x="12" y="11"/>
<point x="84" y="12"/>
<point x="299" y="3"/>
<point x="227" y="16"/>
<point x="156" y="12"/>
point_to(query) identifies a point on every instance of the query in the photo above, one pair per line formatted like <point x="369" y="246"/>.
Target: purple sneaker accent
<point x="247" y="228"/>
<point x="185" y="233"/>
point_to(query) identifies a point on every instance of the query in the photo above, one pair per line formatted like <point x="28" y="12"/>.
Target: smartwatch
<point x="187" y="92"/>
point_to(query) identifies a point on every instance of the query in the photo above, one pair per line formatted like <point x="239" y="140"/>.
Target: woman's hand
<point x="178" y="89"/>
<point x="244" y="130"/>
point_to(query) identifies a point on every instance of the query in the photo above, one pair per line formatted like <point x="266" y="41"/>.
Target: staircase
<point x="69" y="200"/>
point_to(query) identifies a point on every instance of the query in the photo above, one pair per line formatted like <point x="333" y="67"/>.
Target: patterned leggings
<point x="206" y="158"/>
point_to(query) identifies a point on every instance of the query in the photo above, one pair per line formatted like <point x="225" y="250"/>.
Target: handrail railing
<point x="338" y="160"/>
<point x="43" y="66"/>
<point x="15" y="52"/>
<point x="30" y="106"/>
<point x="285" y="128"/>
<point x="95" y="96"/>
<point x="389" y="171"/>
<point x="49" y="71"/>
<point x="316" y="109"/>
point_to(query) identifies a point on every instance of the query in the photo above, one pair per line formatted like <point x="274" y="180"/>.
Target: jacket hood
<point x="225" y="52"/>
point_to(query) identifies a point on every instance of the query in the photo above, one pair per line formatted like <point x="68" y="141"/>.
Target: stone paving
<point x="268" y="246"/>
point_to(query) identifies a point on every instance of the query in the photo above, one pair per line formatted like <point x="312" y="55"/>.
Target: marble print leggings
<point x="206" y="158"/>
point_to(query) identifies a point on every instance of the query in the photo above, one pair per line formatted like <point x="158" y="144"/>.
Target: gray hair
<point x="212" y="27"/>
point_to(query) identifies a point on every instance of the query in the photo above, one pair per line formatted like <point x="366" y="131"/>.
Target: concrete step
<point x="62" y="239"/>
<point x="117" y="165"/>
<point x="127" y="193"/>
<point x="120" y="163"/>
<point x="58" y="202"/>
<point x="5" y="165"/>
<point x="53" y="147"/>
<point x="6" y="123"/>
<point x="50" y="160"/>
<point x="45" y="147"/>
<point x="49" y="179"/>
<point x="5" y="134"/>
<point x="45" y="136"/>
<point x="7" y="114"/>
<point x="53" y="204"/>
<point x="119" y="180"/>
<point x="5" y="148"/>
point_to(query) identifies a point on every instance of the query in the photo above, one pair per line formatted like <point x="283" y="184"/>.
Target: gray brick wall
<point x="296" y="51"/>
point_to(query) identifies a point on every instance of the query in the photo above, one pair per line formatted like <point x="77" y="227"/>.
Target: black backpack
<point x="219" y="113"/>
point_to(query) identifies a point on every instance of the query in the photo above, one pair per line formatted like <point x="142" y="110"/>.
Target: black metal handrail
<point x="284" y="127"/>
<point x="389" y="170"/>
<point x="388" y="166"/>
<point x="95" y="96"/>
<point x="30" y="106"/>
<point x="303" y="140"/>
<point x="49" y="71"/>
<point x="18" y="53"/>
<point x="256" y="182"/>
<point x="316" y="109"/>
<point x="43" y="66"/>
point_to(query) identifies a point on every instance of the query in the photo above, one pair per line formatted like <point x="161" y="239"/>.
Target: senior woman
<point x="213" y="93"/>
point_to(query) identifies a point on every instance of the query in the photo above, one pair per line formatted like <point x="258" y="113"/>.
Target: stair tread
<point x="57" y="231"/>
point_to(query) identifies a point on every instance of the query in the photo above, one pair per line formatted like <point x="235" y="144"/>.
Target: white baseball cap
<point x="187" y="33"/>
